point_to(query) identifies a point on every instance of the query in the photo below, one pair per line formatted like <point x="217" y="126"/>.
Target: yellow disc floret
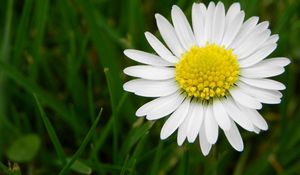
<point x="207" y="72"/>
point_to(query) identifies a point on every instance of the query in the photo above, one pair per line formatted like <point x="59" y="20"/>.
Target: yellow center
<point x="207" y="72"/>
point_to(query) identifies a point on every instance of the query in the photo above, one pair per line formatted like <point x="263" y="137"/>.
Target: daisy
<point x="213" y="74"/>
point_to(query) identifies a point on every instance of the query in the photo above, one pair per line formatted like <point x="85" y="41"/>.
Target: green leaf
<point x="24" y="149"/>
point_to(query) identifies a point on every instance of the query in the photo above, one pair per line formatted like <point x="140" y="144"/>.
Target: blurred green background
<point x="61" y="62"/>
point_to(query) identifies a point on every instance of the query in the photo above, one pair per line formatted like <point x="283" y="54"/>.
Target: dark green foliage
<point x="69" y="54"/>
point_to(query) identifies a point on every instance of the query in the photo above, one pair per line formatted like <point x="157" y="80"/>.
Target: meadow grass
<point x="63" y="109"/>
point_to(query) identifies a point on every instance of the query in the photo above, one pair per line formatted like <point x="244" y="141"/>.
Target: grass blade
<point x="40" y="20"/>
<point x="103" y="44"/>
<point x="156" y="162"/>
<point x="241" y="164"/>
<point x="90" y="96"/>
<point x="130" y="163"/>
<point x="105" y="132"/>
<point x="134" y="135"/>
<point x="5" y="53"/>
<point x="82" y="146"/>
<point x="22" y="31"/>
<point x="114" y="115"/>
<point x="31" y="87"/>
<point x="6" y="39"/>
<point x="54" y="139"/>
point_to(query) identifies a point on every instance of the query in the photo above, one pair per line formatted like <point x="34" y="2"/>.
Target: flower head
<point x="212" y="75"/>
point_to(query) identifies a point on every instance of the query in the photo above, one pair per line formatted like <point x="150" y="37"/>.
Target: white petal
<point x="175" y="120"/>
<point x="256" y="130"/>
<point x="261" y="26"/>
<point x="251" y="43"/>
<point x="150" y="72"/>
<point x="208" y="21"/>
<point x="195" y="122"/>
<point x="204" y="144"/>
<point x="233" y="10"/>
<point x="164" y="106"/>
<point x="133" y="85"/>
<point x="257" y="56"/>
<point x="151" y="88"/>
<point x="198" y="20"/>
<point x="246" y="28"/>
<point x="255" y="117"/>
<point x="271" y="40"/>
<point x="182" y="28"/>
<point x="261" y="95"/>
<point x="168" y="33"/>
<point x="174" y="99"/>
<point x="220" y="115"/>
<point x="211" y="126"/>
<point x="275" y="62"/>
<point x="184" y="127"/>
<point x="146" y="58"/>
<point x="232" y="28"/>
<point x="233" y="22"/>
<point x="258" y="120"/>
<point x="218" y="24"/>
<point x="260" y="71"/>
<point x="249" y="28"/>
<point x="263" y="83"/>
<point x="263" y="92"/>
<point x="234" y="137"/>
<point x="236" y="114"/>
<point x="275" y="93"/>
<point x="160" y="49"/>
<point x="181" y="136"/>
<point x="268" y="99"/>
<point x="245" y="99"/>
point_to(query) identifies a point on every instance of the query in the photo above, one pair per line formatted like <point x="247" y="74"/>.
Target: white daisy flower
<point x="209" y="76"/>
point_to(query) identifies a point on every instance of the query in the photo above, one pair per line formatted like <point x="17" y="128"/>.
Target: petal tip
<point x="126" y="71"/>
<point x="125" y="52"/>
<point x="288" y="61"/>
<point x="237" y="3"/>
<point x="220" y="4"/>
<point x="180" y="141"/>
<point x="158" y="16"/>
<point x="163" y="136"/>
<point x="205" y="153"/>
<point x="211" y="3"/>
<point x="128" y="52"/>
<point x="147" y="34"/>
<point x="240" y="149"/>
<point x="175" y="7"/>
<point x="139" y="113"/>
<point x="265" y="128"/>
<point x="125" y="87"/>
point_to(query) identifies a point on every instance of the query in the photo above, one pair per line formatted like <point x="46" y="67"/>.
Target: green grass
<point x="69" y="54"/>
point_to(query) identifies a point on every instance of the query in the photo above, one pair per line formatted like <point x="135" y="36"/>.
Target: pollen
<point x="207" y="72"/>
